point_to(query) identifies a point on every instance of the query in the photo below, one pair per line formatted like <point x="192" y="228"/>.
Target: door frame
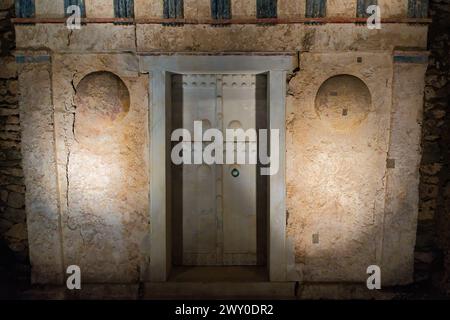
<point x="160" y="67"/>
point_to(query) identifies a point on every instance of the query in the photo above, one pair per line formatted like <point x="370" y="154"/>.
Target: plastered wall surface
<point x="102" y="166"/>
<point x="402" y="200"/>
<point x="39" y="162"/>
<point x="341" y="162"/>
<point x="99" y="8"/>
<point x="242" y="8"/>
<point x="49" y="9"/>
<point x="236" y="38"/>
<point x="148" y="9"/>
<point x="197" y="9"/>
<point x="201" y="8"/>
<point x="341" y="8"/>
<point x="287" y="8"/>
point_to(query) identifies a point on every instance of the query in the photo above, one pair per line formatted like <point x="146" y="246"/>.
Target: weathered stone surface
<point x="402" y="201"/>
<point x="341" y="8"/>
<point x="99" y="8"/>
<point x="90" y="38"/>
<point x="17" y="232"/>
<point x="6" y="4"/>
<point x="16" y="200"/>
<point x="289" y="9"/>
<point x="13" y="119"/>
<point x="12" y="154"/>
<point x="393" y="8"/>
<point x="39" y="168"/>
<point x="294" y="37"/>
<point x="434" y="220"/>
<point x="102" y="166"/>
<point x="14" y="215"/>
<point x="8" y="112"/>
<point x="8" y="135"/>
<point x="197" y="9"/>
<point x="5" y="225"/>
<point x="12" y="220"/>
<point x="339" y="201"/>
<point x="9" y="67"/>
<point x="343" y="102"/>
<point x="431" y="169"/>
<point x="243" y="9"/>
<point x="49" y="8"/>
<point x="427" y="209"/>
<point x="4" y="195"/>
<point x="8" y="179"/>
<point x="148" y="9"/>
<point x="12" y="127"/>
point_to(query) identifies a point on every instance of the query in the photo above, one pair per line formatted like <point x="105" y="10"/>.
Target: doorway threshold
<point x="219" y="274"/>
<point x="194" y="290"/>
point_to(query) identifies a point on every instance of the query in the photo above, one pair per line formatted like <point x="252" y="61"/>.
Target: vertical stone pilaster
<point x="402" y="173"/>
<point x="38" y="149"/>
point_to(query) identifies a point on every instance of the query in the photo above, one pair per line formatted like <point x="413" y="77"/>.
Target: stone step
<point x="219" y="290"/>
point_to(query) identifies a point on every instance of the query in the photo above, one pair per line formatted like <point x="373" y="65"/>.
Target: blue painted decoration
<point x="417" y="59"/>
<point x="25" y="9"/>
<point x="362" y="5"/>
<point x="173" y="9"/>
<point x="80" y="3"/>
<point x="221" y="9"/>
<point x="316" y="8"/>
<point x="266" y="9"/>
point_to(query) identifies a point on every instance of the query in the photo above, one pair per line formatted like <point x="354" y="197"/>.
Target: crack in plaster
<point x="69" y="35"/>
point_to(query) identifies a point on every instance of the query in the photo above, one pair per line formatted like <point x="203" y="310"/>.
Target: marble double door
<point x="219" y="210"/>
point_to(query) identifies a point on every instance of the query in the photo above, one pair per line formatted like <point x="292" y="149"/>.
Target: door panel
<point x="199" y="207"/>
<point x="199" y="101"/>
<point x="239" y="214"/>
<point x="239" y="102"/>
<point x="199" y="215"/>
<point x="239" y="190"/>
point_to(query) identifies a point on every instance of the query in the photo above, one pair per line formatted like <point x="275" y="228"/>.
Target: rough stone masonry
<point x="14" y="261"/>
<point x="433" y="236"/>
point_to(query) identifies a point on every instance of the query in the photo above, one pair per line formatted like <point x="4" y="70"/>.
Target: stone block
<point x="6" y="4"/>
<point x="291" y="9"/>
<point x="99" y="8"/>
<point x="341" y="8"/>
<point x="393" y="8"/>
<point x="148" y="9"/>
<point x="243" y="9"/>
<point x="16" y="200"/>
<point x="17" y="232"/>
<point x="49" y="8"/>
<point x="14" y="215"/>
<point x="197" y="9"/>
<point x="9" y="67"/>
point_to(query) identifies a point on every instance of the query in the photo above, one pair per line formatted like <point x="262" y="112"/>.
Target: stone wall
<point x="67" y="190"/>
<point x="13" y="230"/>
<point x="433" y="236"/>
<point x="433" y="240"/>
<point x="351" y="143"/>
<point x="101" y="154"/>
